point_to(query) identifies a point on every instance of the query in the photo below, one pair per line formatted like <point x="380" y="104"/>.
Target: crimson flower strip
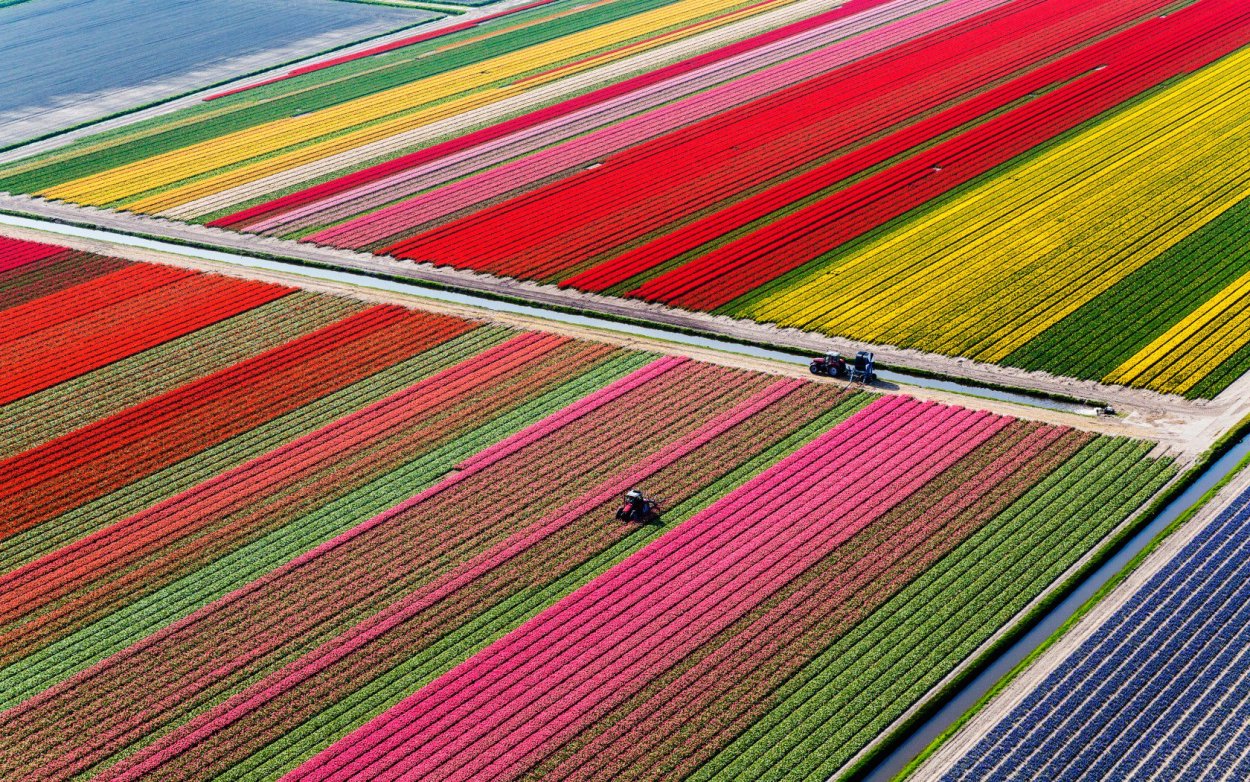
<point x="713" y="539"/>
<point x="17" y="252"/>
<point x="81" y="300"/>
<point x="694" y="167"/>
<point x="1148" y="55"/>
<point x="53" y="273"/>
<point x="248" y="217"/>
<point x="291" y="607"/>
<point x="691" y="236"/>
<point x="118" y="563"/>
<point x="624" y="119"/>
<point x="65" y="350"/>
<point x="99" y="458"/>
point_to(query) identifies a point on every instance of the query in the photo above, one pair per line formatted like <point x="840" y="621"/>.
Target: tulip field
<point x="258" y="532"/>
<point x="1158" y="691"/>
<point x="1055" y="185"/>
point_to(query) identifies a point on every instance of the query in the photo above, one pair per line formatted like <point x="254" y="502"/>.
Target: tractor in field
<point x="639" y="508"/>
<point x="830" y="365"/>
<point x="862" y="370"/>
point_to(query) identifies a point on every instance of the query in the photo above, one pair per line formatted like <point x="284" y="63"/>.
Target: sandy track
<point x="1011" y="696"/>
<point x="1184" y="427"/>
<point x="294" y="277"/>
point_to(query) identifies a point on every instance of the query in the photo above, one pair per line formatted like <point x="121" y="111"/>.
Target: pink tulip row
<point x="849" y="14"/>
<point x="598" y="622"/>
<point x="734" y="680"/>
<point x="444" y="588"/>
<point x="910" y="19"/>
<point x="18" y="252"/>
<point x="203" y="657"/>
<point x="575" y="411"/>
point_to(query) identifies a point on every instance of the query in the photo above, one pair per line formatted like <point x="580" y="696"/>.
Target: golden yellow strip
<point x="132" y="179"/>
<point x="979" y="273"/>
<point x="168" y="199"/>
<point x="1192" y="335"/>
<point x="202" y="114"/>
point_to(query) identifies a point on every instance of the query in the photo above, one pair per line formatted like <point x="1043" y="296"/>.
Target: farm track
<point x="1185" y="428"/>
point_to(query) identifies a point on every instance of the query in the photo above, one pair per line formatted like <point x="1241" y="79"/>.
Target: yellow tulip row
<point x="319" y="133"/>
<point x="250" y="172"/>
<point x="1013" y="255"/>
<point x="1184" y="354"/>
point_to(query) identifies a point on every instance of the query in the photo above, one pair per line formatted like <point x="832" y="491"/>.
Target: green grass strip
<point x="744" y="305"/>
<point x="291" y="103"/>
<point x="376" y="696"/>
<point x="99" y="513"/>
<point x="866" y="679"/>
<point x="1109" y="329"/>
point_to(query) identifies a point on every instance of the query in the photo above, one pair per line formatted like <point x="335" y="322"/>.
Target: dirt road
<point x="1185" y="428"/>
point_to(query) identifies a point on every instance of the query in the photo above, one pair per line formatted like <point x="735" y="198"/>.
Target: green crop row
<point x="865" y="680"/>
<point x="374" y="697"/>
<point x="148" y="614"/>
<point x="332" y="87"/>
<point x="37" y="541"/>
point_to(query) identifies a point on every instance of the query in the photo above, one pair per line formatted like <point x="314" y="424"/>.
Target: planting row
<point x="1013" y="181"/>
<point x="1158" y="689"/>
<point x="322" y="538"/>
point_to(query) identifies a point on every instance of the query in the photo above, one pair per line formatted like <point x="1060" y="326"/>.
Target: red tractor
<point x="830" y="365"/>
<point x="864" y="370"/>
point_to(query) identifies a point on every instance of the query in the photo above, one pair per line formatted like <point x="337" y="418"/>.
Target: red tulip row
<point x="121" y="561"/>
<point x="542" y="684"/>
<point x="56" y="352"/>
<point x="99" y="458"/>
<point x="51" y="274"/>
<point x="454" y="183"/>
<point x="334" y="187"/>
<point x="82" y="300"/>
<point x="691" y="236"/>
<point x="17" y="252"/>
<point x="291" y="610"/>
<point x="644" y="188"/>
<point x="1140" y="58"/>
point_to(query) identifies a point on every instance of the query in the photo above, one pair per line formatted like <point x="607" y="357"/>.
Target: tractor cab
<point x="639" y="508"/>
<point x="830" y="365"/>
